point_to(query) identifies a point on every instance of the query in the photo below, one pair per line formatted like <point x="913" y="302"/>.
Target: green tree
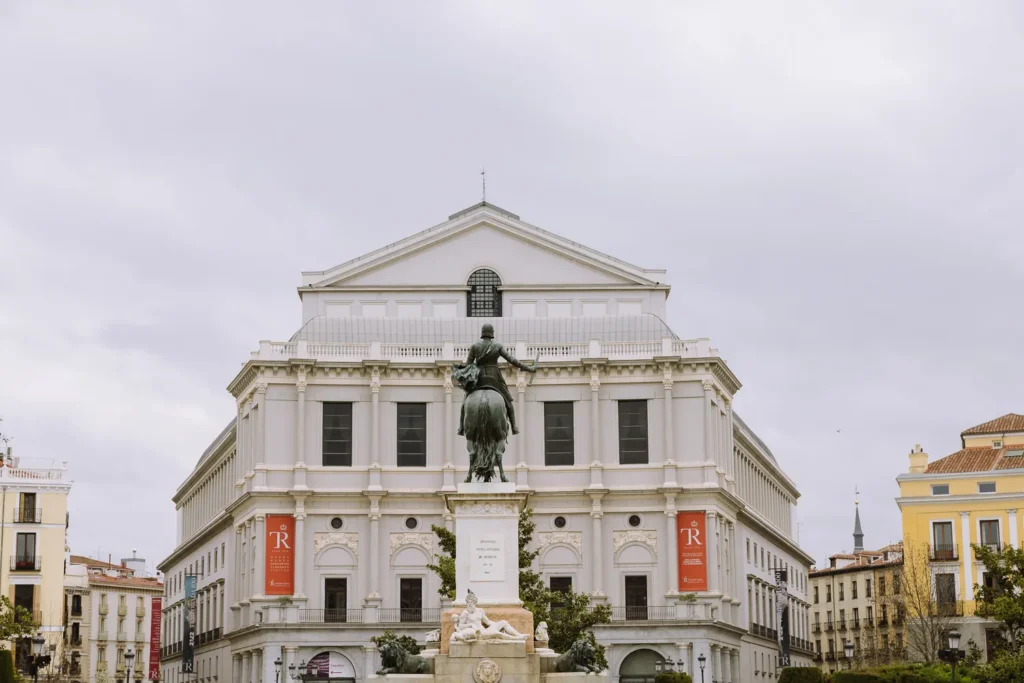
<point x="1002" y="598"/>
<point x="408" y="643"/>
<point x="569" y="615"/>
<point x="15" y="621"/>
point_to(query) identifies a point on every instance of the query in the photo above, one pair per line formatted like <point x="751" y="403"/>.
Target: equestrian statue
<point x="487" y="410"/>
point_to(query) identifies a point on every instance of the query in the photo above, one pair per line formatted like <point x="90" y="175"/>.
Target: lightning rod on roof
<point x="483" y="182"/>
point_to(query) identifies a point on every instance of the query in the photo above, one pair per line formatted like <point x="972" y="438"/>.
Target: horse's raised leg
<point x="501" y="470"/>
<point x="472" y="464"/>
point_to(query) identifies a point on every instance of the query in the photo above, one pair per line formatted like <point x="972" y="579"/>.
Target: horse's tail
<point x="487" y="432"/>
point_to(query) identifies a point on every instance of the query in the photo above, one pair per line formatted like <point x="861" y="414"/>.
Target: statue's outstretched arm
<point x="512" y="360"/>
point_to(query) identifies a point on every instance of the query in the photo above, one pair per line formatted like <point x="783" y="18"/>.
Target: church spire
<point x="858" y="534"/>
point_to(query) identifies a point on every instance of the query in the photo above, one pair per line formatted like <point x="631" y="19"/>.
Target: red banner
<point x="156" y="606"/>
<point x="280" y="554"/>
<point x="693" y="551"/>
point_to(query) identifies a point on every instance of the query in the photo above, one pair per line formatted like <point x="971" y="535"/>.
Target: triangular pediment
<point x="483" y="237"/>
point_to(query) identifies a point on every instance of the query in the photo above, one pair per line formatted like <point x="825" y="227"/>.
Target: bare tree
<point x="929" y="608"/>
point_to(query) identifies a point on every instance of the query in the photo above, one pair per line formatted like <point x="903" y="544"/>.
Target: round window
<point x="336" y="523"/>
<point x="411" y="523"/>
<point x="560" y="522"/>
<point x="634" y="520"/>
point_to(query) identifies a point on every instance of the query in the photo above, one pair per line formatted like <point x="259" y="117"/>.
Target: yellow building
<point x="33" y="534"/>
<point x="969" y="497"/>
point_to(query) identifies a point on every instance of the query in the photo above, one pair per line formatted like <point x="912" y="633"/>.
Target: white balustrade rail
<point x="448" y="351"/>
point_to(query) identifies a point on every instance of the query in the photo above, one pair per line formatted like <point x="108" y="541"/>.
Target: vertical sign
<point x="156" y="614"/>
<point x="280" y="555"/>
<point x="188" y="650"/>
<point x="782" y="610"/>
<point x="693" y="551"/>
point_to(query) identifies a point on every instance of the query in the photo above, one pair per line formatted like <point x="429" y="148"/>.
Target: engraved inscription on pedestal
<point x="488" y="558"/>
<point x="487" y="671"/>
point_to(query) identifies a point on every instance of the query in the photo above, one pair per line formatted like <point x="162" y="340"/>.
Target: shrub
<point x="673" y="677"/>
<point x="809" y="674"/>
<point x="408" y="643"/>
<point x="855" y="677"/>
<point x="7" y="667"/>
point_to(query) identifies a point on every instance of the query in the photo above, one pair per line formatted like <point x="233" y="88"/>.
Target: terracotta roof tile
<point x="90" y="562"/>
<point x="128" y="581"/>
<point x="981" y="459"/>
<point x="1011" y="422"/>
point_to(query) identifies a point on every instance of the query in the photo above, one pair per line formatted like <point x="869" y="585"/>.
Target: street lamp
<point x="954" y="651"/>
<point x="277" y="670"/>
<point x="296" y="672"/>
<point x="700" y="660"/>
<point x="848" y="649"/>
<point x="38" y="645"/>
<point x="129" y="659"/>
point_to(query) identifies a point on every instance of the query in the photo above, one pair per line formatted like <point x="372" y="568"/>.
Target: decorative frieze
<point x="573" y="539"/>
<point x="486" y="508"/>
<point x="424" y="540"/>
<point x="347" y="540"/>
<point x="647" y="537"/>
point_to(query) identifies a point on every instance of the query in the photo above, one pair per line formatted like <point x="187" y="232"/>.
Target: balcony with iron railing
<point x="841" y="624"/>
<point x="331" y="616"/>
<point x="817" y="627"/>
<point x="26" y="563"/>
<point x="994" y="546"/>
<point x="75" y="669"/>
<point x="943" y="552"/>
<point x="28" y="515"/>
<point x="645" y="613"/>
<point x="409" y="615"/>
<point x="944" y="608"/>
<point x="829" y="626"/>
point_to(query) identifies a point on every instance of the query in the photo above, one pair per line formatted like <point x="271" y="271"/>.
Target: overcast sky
<point x="836" y="191"/>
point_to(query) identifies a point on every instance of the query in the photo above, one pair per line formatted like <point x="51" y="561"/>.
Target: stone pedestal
<point x="487" y="662"/>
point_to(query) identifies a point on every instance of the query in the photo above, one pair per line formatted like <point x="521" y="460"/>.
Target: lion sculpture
<point x="579" y="659"/>
<point x="396" y="660"/>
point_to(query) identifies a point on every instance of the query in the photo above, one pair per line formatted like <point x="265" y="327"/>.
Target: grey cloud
<point x="833" y="188"/>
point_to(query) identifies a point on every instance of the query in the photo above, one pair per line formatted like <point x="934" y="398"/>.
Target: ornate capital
<point x="448" y="380"/>
<point x="520" y="381"/>
<point x="666" y="376"/>
<point x="375" y="380"/>
<point x="708" y="385"/>
<point x="261" y="387"/>
<point x="595" y="378"/>
<point x="1011" y="512"/>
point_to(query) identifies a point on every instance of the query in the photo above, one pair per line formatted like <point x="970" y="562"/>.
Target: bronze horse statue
<point x="487" y="411"/>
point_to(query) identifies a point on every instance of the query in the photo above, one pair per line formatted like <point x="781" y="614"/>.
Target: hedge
<point x="807" y="674"/>
<point x="7" y="674"/>
<point x="673" y="677"/>
<point x="855" y="677"/>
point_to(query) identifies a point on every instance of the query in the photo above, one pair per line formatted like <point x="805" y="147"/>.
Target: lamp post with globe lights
<point x="277" y="670"/>
<point x="848" y="651"/>
<point x="954" y="654"/>
<point x="129" y="660"/>
<point x="701" y="660"/>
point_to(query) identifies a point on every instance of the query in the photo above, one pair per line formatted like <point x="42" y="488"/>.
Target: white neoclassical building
<point x="345" y="446"/>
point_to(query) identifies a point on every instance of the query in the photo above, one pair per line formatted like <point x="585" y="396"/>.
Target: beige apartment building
<point x="856" y="599"/>
<point x="33" y="532"/>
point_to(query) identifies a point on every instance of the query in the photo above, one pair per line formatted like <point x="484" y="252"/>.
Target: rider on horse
<point x="484" y="354"/>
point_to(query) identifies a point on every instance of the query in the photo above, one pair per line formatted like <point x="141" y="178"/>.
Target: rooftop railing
<point x="344" y="352"/>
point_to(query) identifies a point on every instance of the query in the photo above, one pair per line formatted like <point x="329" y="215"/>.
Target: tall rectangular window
<point x="558" y="433"/>
<point x="412" y="434"/>
<point x="853" y="589"/>
<point x="26" y="551"/>
<point x="633" y="432"/>
<point x="410" y="596"/>
<point x="560" y="584"/>
<point x="337" y="441"/>
<point x="335" y="600"/>
<point x="636" y="597"/>
<point x="989" y="530"/>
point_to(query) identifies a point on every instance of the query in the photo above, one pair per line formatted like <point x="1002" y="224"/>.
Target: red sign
<point x="156" y="614"/>
<point x="280" y="564"/>
<point x="693" y="551"/>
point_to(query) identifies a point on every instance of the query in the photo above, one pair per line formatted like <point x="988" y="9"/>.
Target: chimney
<point x="918" y="460"/>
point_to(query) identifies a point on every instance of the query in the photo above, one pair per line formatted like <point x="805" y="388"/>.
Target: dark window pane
<point x="412" y="434"/>
<point x="633" y="432"/>
<point x="636" y="597"/>
<point x="335" y="599"/>
<point x="560" y="584"/>
<point x="410" y="596"/>
<point x="484" y="295"/>
<point x="558" y="433"/>
<point x="337" y="446"/>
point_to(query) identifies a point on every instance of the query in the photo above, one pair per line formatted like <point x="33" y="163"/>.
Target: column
<point x="299" y="461"/>
<point x="726" y="676"/>
<point x="257" y="666"/>
<point x="287" y="657"/>
<point x="300" y="547"/>
<point x="247" y="559"/>
<point x="595" y="415"/>
<point x="247" y="667"/>
<point x="369" y="666"/>
<point x="449" y="431"/>
<point x="260" y="480"/>
<point x="522" y="470"/>
<point x="236" y="668"/>
<point x="672" y="538"/>
<point x="597" y="554"/>
<point x="716" y="668"/>
<point x="965" y="551"/>
<point x="709" y="425"/>
<point x="734" y="655"/>
<point x="1012" y="514"/>
<point x="374" y="483"/>
<point x="667" y="382"/>
<point x="713" y="579"/>
<point x="261" y="553"/>
<point x="373" y="599"/>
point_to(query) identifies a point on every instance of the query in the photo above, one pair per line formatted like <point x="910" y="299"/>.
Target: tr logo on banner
<point x="280" y="555"/>
<point x="693" y="555"/>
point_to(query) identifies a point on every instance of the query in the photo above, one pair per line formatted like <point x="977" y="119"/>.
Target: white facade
<point x="380" y="332"/>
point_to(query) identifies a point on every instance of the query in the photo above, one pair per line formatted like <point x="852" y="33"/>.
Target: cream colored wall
<point x="987" y="439"/>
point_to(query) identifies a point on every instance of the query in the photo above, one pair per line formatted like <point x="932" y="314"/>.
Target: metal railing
<point x="829" y="626"/>
<point x="949" y="609"/>
<point x="409" y="615"/>
<point x="28" y="515"/>
<point x="841" y="624"/>
<point x="20" y="563"/>
<point x="817" y="627"/>
<point x="943" y="552"/>
<point x="331" y="616"/>
<point x="646" y="613"/>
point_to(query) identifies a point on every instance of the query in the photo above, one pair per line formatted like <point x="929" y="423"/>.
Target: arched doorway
<point x="330" y="667"/>
<point x="638" y="666"/>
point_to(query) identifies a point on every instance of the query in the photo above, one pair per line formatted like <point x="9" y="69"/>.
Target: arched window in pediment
<point x="484" y="299"/>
